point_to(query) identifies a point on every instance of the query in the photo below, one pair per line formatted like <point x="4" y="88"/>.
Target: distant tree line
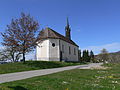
<point x="86" y="56"/>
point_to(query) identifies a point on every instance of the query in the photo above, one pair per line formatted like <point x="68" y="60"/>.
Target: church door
<point x="60" y="55"/>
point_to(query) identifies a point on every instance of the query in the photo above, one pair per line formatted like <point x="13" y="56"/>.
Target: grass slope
<point x="31" y="65"/>
<point x="71" y="80"/>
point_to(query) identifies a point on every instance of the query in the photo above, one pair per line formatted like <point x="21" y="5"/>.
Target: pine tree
<point x="87" y="56"/>
<point x="92" y="56"/>
<point x="79" y="55"/>
<point x="83" y="56"/>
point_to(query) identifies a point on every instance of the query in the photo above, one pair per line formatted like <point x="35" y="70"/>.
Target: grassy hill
<point x="115" y="53"/>
<point x="32" y="65"/>
<point x="93" y="79"/>
<point x="112" y="57"/>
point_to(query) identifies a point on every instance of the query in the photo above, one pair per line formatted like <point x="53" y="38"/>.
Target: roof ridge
<point x="50" y="33"/>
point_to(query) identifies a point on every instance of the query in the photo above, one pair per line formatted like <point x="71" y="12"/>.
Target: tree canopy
<point x="20" y="34"/>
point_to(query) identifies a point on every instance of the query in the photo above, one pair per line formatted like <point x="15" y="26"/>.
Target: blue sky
<point x="95" y="24"/>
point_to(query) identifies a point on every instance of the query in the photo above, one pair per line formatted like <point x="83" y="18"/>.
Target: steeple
<point x="67" y="30"/>
<point x="67" y="22"/>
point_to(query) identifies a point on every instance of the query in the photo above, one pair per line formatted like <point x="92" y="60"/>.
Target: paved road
<point x="28" y="74"/>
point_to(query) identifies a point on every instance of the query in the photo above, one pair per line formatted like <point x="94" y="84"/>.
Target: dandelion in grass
<point x="66" y="89"/>
<point x="110" y="76"/>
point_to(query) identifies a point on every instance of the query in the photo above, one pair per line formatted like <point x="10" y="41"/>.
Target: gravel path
<point x="28" y="74"/>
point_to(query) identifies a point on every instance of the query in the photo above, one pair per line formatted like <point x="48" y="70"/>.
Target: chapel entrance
<point x="61" y="56"/>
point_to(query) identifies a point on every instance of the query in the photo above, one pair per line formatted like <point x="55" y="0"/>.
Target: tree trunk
<point x="12" y="54"/>
<point x="17" y="57"/>
<point x="24" y="51"/>
<point x="23" y="57"/>
<point x="13" y="57"/>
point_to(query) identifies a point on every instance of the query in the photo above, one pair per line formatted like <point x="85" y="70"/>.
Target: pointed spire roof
<point x="67" y="26"/>
<point x="67" y="22"/>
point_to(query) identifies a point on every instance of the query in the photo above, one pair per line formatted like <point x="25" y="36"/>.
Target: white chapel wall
<point x="42" y="50"/>
<point x="65" y="53"/>
<point x="46" y="52"/>
<point x="54" y="50"/>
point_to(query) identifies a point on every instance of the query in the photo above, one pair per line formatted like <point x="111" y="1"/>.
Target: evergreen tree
<point x="88" y="56"/>
<point x="83" y="56"/>
<point x="92" y="56"/>
<point x="79" y="55"/>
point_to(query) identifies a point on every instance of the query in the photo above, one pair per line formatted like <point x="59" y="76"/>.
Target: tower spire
<point x="67" y="22"/>
<point x="68" y="30"/>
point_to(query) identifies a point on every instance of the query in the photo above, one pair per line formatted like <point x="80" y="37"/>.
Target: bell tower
<point x="67" y="30"/>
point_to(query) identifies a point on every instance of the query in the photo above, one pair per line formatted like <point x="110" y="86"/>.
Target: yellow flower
<point x="110" y="76"/>
<point x="66" y="89"/>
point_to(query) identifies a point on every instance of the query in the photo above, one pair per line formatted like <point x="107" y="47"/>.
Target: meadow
<point x="32" y="65"/>
<point x="77" y="79"/>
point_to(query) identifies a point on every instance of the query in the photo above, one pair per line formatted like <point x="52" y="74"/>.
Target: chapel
<point x="52" y="46"/>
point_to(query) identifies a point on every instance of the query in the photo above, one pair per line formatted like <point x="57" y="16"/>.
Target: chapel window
<point x="74" y="51"/>
<point x="63" y="48"/>
<point x="53" y="44"/>
<point x="69" y="50"/>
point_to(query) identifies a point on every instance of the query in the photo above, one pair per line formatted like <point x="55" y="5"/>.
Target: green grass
<point x="31" y="65"/>
<point x="71" y="80"/>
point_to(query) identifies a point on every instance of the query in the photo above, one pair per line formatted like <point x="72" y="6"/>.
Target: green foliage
<point x="92" y="57"/>
<point x="79" y="55"/>
<point x="71" y="80"/>
<point x="86" y="57"/>
<point x="32" y="65"/>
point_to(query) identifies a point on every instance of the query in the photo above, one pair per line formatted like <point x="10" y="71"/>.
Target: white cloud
<point x="113" y="47"/>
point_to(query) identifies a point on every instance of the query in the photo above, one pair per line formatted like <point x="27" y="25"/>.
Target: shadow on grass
<point x="44" y="64"/>
<point x="49" y="64"/>
<point x="17" y="88"/>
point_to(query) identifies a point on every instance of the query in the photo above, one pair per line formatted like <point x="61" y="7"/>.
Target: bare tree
<point x="104" y="56"/>
<point x="9" y="54"/>
<point x="4" y="55"/>
<point x="20" y="34"/>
